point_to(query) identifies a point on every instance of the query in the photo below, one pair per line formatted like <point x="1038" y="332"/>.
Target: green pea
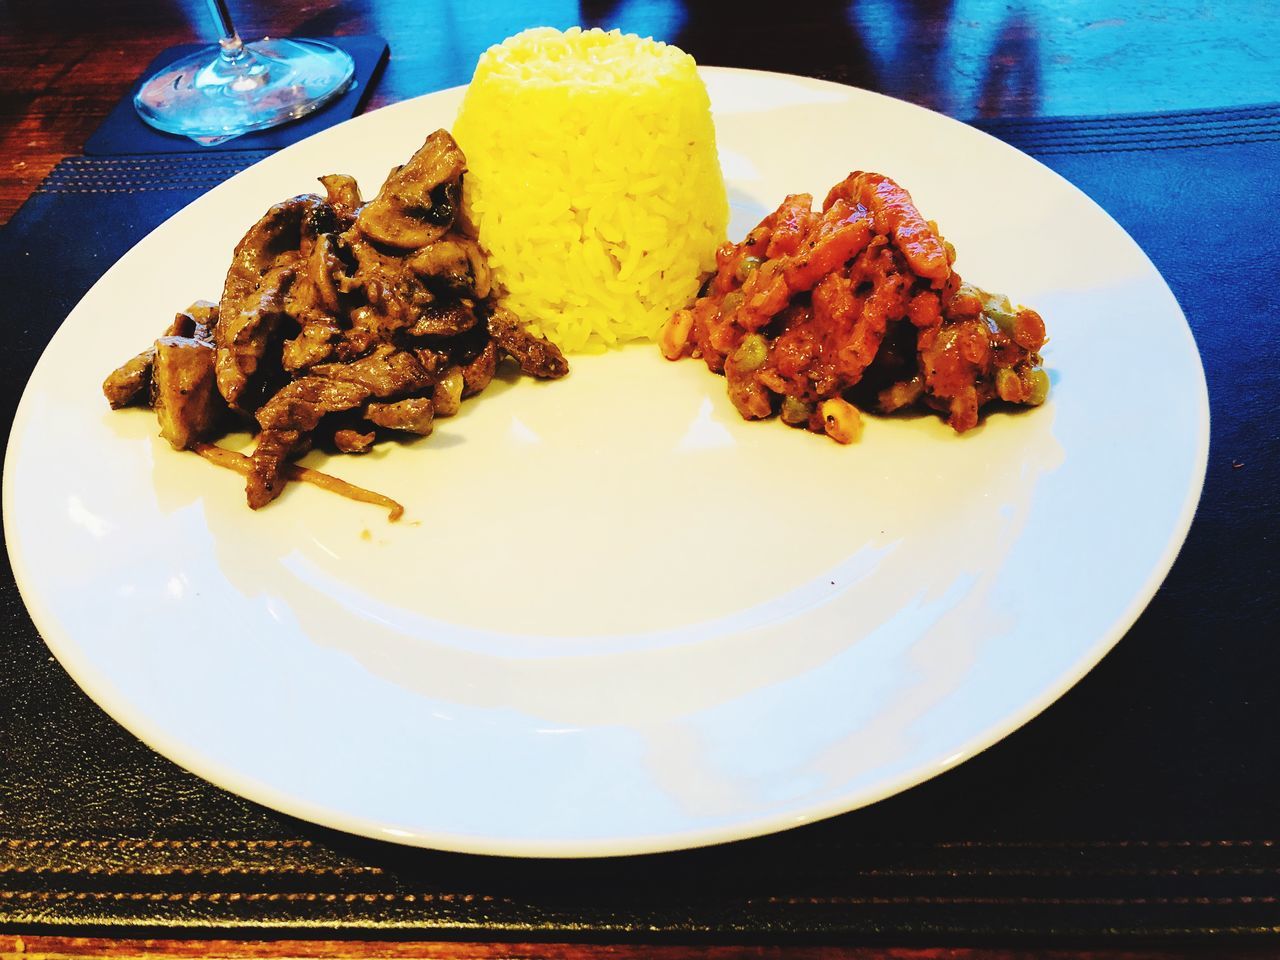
<point x="1039" y="387"/>
<point x="795" y="411"/>
<point x="903" y="394"/>
<point x="751" y="353"/>
<point x="1008" y="384"/>
<point x="1000" y="311"/>
<point x="746" y="266"/>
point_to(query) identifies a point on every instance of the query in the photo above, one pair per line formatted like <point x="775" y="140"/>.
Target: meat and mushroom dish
<point x="817" y="313"/>
<point x="339" y="321"/>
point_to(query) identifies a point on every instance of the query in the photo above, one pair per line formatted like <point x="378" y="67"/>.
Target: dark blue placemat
<point x="123" y="132"/>
<point x="1143" y="804"/>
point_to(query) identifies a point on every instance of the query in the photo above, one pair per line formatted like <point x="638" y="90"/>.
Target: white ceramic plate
<point x="617" y="618"/>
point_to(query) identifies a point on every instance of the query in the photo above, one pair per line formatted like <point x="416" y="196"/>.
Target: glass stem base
<point x="232" y="88"/>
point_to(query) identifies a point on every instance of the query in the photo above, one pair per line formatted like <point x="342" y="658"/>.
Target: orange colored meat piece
<point x="842" y="233"/>
<point x="791" y="223"/>
<point x="896" y="215"/>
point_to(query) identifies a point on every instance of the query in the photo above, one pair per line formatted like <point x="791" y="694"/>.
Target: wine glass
<point x="232" y="87"/>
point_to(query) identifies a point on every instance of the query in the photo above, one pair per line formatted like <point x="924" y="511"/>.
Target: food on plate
<point x="594" y="181"/>
<point x="816" y="314"/>
<point x="339" y="321"/>
<point x="592" y="209"/>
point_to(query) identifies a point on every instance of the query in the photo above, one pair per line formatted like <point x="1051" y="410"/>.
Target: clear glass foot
<point x="231" y="88"/>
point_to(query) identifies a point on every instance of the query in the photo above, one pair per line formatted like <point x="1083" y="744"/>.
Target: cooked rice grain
<point x="594" y="180"/>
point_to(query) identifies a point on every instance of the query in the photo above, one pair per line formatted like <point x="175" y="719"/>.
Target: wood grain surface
<point x="63" y="65"/>
<point x="57" y="948"/>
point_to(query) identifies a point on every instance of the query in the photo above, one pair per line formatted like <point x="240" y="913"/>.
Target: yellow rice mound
<point x="593" y="178"/>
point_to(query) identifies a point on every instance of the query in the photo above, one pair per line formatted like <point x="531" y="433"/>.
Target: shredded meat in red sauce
<point x="817" y="313"/>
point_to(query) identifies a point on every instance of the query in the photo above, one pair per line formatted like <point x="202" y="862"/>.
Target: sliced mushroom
<point x="454" y="264"/>
<point x="184" y="390"/>
<point x="343" y="195"/>
<point x="417" y="203"/>
<point x="445" y="318"/>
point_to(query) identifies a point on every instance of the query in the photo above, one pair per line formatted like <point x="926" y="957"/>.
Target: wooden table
<point x="57" y="948"/>
<point x="62" y="69"/>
